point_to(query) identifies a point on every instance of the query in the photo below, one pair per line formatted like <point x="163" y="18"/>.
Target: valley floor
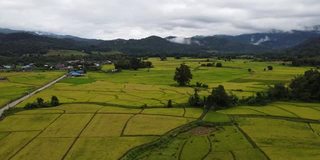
<point x="124" y="116"/>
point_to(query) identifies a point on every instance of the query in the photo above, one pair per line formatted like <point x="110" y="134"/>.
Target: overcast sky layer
<point x="110" y="19"/>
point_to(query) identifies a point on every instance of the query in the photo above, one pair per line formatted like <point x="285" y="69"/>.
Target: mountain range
<point x="18" y="42"/>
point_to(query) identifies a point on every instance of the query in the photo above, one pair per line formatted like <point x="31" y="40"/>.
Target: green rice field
<point x="125" y="116"/>
<point x="18" y="84"/>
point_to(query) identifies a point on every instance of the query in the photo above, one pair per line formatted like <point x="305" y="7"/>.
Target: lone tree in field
<point x="183" y="75"/>
<point x="270" y="68"/>
<point x="40" y="102"/>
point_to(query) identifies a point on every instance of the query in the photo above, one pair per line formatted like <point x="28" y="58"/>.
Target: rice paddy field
<point x="124" y="116"/>
<point x="18" y="84"/>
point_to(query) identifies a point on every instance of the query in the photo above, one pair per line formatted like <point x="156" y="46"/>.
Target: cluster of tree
<point x="207" y="64"/>
<point x="40" y="103"/>
<point x="306" y="61"/>
<point x="219" y="64"/>
<point x="305" y="87"/>
<point x="218" y="99"/>
<point x="132" y="63"/>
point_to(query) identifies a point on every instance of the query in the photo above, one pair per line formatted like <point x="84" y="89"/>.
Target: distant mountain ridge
<point x="16" y="42"/>
<point x="310" y="48"/>
<point x="273" y="40"/>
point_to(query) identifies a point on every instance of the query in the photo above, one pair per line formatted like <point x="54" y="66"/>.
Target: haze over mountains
<point x="17" y="42"/>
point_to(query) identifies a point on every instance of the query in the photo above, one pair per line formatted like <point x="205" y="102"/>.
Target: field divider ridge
<point x="210" y="148"/>
<point x="36" y="136"/>
<point x="78" y="136"/>
<point x="251" y="141"/>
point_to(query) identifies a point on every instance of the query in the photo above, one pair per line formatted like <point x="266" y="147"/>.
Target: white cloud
<point x="109" y="19"/>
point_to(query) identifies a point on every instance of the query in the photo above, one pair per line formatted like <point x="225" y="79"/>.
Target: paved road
<point x="14" y="103"/>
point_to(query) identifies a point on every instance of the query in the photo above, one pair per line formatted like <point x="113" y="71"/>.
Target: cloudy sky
<point x="110" y="19"/>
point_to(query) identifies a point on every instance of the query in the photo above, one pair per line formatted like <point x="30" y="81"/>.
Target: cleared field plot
<point x="165" y="111"/>
<point x="104" y="148"/>
<point x="224" y="142"/>
<point x="315" y="128"/>
<point x="273" y="110"/>
<point x="41" y="111"/>
<point x="26" y="122"/>
<point x="4" y="134"/>
<point x="107" y="109"/>
<point x="45" y="148"/>
<point x="292" y="153"/>
<point x="105" y="125"/>
<point x="13" y="142"/>
<point x="283" y="109"/>
<point x="195" y="148"/>
<point x="169" y="151"/>
<point x="68" y="125"/>
<point x="220" y="156"/>
<point x="229" y="138"/>
<point x="241" y="110"/>
<point x="282" y="134"/>
<point x="216" y="117"/>
<point x="152" y="124"/>
<point x="303" y="112"/>
<point x="79" y="108"/>
<point x="193" y="112"/>
<point x="249" y="154"/>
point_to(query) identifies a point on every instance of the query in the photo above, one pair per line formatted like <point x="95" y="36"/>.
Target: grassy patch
<point x="152" y="124"/>
<point x="216" y="117"/>
<point x="67" y="126"/>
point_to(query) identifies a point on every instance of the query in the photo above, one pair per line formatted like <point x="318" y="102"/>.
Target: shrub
<point x="210" y="64"/>
<point x="201" y="85"/>
<point x="40" y="101"/>
<point x="259" y="99"/>
<point x="31" y="105"/>
<point x="219" y="64"/>
<point x="169" y="105"/>
<point x="195" y="99"/>
<point x="183" y="75"/>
